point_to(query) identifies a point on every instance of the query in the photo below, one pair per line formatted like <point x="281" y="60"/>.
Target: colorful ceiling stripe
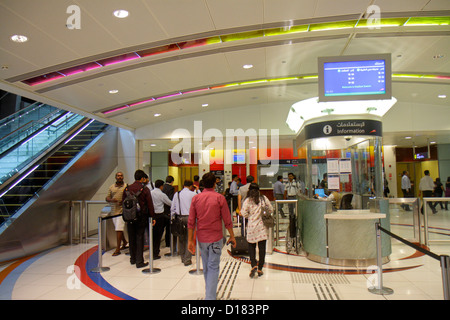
<point x="363" y="23"/>
<point x="252" y="82"/>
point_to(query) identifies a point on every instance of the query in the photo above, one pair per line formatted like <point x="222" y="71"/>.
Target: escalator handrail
<point x="42" y="157"/>
<point x="17" y="113"/>
<point x="43" y="121"/>
<point x="45" y="127"/>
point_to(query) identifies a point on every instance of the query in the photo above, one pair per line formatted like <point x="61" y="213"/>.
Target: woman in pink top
<point x="257" y="233"/>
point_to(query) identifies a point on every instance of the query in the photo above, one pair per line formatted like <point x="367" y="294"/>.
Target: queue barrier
<point x="197" y="270"/>
<point x="444" y="261"/>
<point x="101" y="226"/>
<point x="425" y="207"/>
<point x="277" y="222"/>
<point x="151" y="269"/>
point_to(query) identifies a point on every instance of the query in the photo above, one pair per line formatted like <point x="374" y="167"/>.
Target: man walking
<point x="208" y="210"/>
<point x="406" y="189"/>
<point x="426" y="187"/>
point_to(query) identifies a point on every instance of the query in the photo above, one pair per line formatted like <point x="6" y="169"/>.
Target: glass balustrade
<point x="12" y="161"/>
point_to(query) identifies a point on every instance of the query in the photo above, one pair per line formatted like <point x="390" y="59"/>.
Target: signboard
<point x="342" y="128"/>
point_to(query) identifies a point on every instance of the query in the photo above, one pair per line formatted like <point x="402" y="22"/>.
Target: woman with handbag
<point x="255" y="208"/>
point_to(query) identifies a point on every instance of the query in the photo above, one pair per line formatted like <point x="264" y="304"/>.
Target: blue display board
<point x="354" y="78"/>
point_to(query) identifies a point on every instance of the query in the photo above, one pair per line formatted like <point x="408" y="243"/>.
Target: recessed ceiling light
<point x="438" y="56"/>
<point x="121" y="13"/>
<point x="247" y="66"/>
<point x="432" y="142"/>
<point x="153" y="145"/>
<point x="205" y="105"/>
<point x="19" y="38"/>
<point x="113" y="91"/>
<point x="407" y="137"/>
<point x="442" y="96"/>
<point x="157" y="114"/>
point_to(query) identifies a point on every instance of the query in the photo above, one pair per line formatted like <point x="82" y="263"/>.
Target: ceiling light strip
<point x="340" y="25"/>
<point x="255" y="82"/>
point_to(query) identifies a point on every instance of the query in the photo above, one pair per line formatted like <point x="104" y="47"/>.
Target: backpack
<point x="130" y="206"/>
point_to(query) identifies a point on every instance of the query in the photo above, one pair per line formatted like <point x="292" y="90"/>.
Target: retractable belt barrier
<point x="100" y="268"/>
<point x="444" y="260"/>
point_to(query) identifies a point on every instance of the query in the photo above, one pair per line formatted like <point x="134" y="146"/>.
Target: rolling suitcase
<point x="241" y="243"/>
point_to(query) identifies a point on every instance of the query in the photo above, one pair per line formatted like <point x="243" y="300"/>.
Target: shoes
<point x="187" y="263"/>
<point x="116" y="253"/>
<point x="141" y="265"/>
<point x="253" y="272"/>
<point x="156" y="257"/>
<point x="260" y="273"/>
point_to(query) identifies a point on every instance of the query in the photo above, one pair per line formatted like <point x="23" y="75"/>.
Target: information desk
<point x="344" y="237"/>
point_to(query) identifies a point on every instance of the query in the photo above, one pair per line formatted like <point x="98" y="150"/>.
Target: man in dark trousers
<point x="136" y="230"/>
<point x="169" y="190"/>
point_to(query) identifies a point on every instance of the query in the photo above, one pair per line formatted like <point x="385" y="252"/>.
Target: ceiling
<point x="190" y="52"/>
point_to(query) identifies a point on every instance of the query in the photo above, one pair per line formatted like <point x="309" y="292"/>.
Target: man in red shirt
<point x="208" y="210"/>
<point x="136" y="230"/>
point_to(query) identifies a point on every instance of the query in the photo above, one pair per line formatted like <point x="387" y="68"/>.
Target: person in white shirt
<point x="406" y="189"/>
<point x="292" y="189"/>
<point x="181" y="204"/>
<point x="234" y="191"/>
<point x="426" y="187"/>
<point x="159" y="199"/>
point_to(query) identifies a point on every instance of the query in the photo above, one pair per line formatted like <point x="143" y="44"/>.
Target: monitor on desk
<point x="320" y="193"/>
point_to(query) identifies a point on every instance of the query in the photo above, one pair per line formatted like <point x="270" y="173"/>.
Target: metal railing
<point x="444" y="261"/>
<point x="277" y="218"/>
<point x="415" y="204"/>
<point x="426" y="202"/>
<point x="83" y="219"/>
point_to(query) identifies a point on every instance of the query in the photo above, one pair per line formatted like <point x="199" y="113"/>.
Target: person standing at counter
<point x="324" y="183"/>
<point x="278" y="193"/>
<point x="292" y="189"/>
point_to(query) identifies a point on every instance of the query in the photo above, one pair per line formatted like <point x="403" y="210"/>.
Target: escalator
<point x="27" y="186"/>
<point x="48" y="158"/>
<point x="29" y="137"/>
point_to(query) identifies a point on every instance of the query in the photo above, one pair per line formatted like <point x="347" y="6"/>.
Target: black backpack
<point x="131" y="210"/>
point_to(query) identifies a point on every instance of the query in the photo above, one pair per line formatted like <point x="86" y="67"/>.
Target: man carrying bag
<point x="179" y="213"/>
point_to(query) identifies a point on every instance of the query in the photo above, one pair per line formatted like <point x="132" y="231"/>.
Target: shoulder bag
<point x="266" y="216"/>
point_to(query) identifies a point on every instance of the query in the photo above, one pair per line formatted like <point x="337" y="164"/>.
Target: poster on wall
<point x="333" y="182"/>
<point x="332" y="166"/>
<point x="345" y="165"/>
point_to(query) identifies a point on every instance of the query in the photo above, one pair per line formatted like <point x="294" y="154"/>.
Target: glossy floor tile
<point x="66" y="273"/>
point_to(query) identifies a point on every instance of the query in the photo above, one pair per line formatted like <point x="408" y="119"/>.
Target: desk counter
<point x="343" y="237"/>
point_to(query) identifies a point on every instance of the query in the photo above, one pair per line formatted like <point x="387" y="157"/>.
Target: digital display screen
<point x="421" y="155"/>
<point x="354" y="78"/>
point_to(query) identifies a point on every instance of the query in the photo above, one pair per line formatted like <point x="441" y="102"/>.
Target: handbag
<point x="177" y="227"/>
<point x="266" y="216"/>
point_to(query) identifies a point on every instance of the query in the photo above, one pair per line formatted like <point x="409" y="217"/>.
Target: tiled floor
<point x="51" y="276"/>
